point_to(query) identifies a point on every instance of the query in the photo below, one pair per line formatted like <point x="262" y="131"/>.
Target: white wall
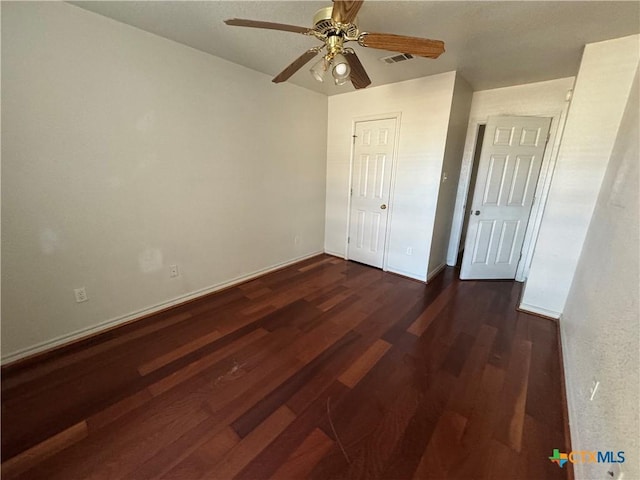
<point x="600" y="96"/>
<point x="542" y="99"/>
<point x="124" y="153"/>
<point x="453" y="154"/>
<point x="424" y="105"/>
<point x="600" y="326"/>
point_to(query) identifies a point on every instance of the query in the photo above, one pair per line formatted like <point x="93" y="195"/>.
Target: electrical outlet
<point x="409" y="250"/>
<point x="81" y="294"/>
<point x="173" y="271"/>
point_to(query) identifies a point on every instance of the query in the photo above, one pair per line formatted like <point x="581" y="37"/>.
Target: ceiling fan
<point x="335" y="26"/>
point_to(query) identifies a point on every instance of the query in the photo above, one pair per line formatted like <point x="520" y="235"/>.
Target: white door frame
<point x="558" y="119"/>
<point x="367" y="118"/>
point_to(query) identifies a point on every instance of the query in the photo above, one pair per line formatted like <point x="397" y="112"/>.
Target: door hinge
<point x="354" y="139"/>
<point x="351" y="192"/>
<point x="548" y="137"/>
<point x="348" y="239"/>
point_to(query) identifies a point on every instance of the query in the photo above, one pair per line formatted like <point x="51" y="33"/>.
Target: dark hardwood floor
<point x="325" y="369"/>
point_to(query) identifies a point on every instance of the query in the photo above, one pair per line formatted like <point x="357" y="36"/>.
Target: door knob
<point x="477" y="212"/>
<point x="383" y="206"/>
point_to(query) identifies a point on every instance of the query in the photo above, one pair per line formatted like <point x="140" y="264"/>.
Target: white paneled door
<point x="370" y="185"/>
<point x="510" y="162"/>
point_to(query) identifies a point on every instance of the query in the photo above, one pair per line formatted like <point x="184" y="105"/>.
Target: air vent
<point x="397" y="58"/>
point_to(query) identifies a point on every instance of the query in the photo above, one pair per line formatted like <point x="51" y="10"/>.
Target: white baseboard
<point x="85" y="332"/>
<point x="435" y="271"/>
<point x="397" y="271"/>
<point x="335" y="254"/>
<point x="539" y="311"/>
<point x="405" y="274"/>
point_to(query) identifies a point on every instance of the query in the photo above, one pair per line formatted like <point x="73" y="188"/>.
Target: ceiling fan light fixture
<point x="319" y="70"/>
<point x="340" y="69"/>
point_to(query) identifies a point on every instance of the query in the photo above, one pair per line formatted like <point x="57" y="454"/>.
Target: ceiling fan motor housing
<point x="323" y="24"/>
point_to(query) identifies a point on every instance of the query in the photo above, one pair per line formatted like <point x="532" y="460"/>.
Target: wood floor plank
<point x="425" y="298"/>
<point x="83" y="355"/>
<point x="224" y="301"/>
<point x="84" y="387"/>
<point x="259" y="375"/>
<point x="326" y="375"/>
<point x="467" y="388"/>
<point x="118" y="409"/>
<point x="482" y="422"/>
<point x="420" y="325"/>
<point x="296" y="314"/>
<point x="258" y="293"/>
<point x="316" y="264"/>
<point x="409" y="450"/>
<point x="511" y="424"/>
<point x="252" y="444"/>
<point x="279" y="396"/>
<point x="325" y="293"/>
<point x="539" y="437"/>
<point x="72" y="401"/>
<point x="319" y="340"/>
<point x="269" y="460"/>
<point x="477" y="438"/>
<point x="201" y="364"/>
<point x="198" y="449"/>
<point x="383" y="318"/>
<point x="169" y="357"/>
<point x="544" y="393"/>
<point x="373" y="453"/>
<point x="441" y="453"/>
<point x="323" y="369"/>
<point x="227" y="399"/>
<point x="365" y="363"/>
<point x="174" y="418"/>
<point x="51" y="446"/>
<point x="351" y="416"/>
<point x="206" y="457"/>
<point x="298" y="290"/>
<point x="300" y="463"/>
<point x="507" y="324"/>
<point x="457" y="356"/>
<point x="335" y="300"/>
<point x="501" y="464"/>
<point x="133" y="440"/>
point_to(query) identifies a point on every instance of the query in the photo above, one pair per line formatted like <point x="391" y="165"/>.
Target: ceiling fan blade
<point x="296" y="65"/>
<point x="243" y="22"/>
<point x="422" y="47"/>
<point x="345" y="11"/>
<point x="359" y="77"/>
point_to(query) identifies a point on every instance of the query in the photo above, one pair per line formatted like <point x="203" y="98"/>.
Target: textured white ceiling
<point x="491" y="43"/>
